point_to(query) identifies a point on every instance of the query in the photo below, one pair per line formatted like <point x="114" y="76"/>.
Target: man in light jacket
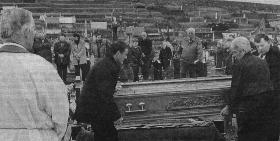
<point x="33" y="98"/>
<point x="79" y="56"/>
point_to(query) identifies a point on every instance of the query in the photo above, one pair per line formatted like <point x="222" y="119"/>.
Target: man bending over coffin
<point x="96" y="104"/>
<point x="33" y="98"/>
<point x="251" y="98"/>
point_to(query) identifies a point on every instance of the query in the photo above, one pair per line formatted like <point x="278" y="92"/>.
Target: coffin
<point x="172" y="110"/>
<point x="173" y="99"/>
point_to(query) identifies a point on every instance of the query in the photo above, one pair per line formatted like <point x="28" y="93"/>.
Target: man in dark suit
<point x="96" y="104"/>
<point x="147" y="48"/>
<point x="135" y="58"/>
<point x="251" y="98"/>
<point x="62" y="52"/>
<point x="271" y="54"/>
<point x="42" y="47"/>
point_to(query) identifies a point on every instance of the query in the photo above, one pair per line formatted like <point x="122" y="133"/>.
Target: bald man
<point x="251" y="97"/>
<point x="33" y="98"/>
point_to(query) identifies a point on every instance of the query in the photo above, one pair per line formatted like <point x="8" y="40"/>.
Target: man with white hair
<point x="33" y="100"/>
<point x="191" y="54"/>
<point x="251" y="97"/>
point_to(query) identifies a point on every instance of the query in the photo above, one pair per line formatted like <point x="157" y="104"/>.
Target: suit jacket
<point x="96" y="102"/>
<point x="135" y="56"/>
<point x="165" y="56"/>
<point x="250" y="77"/>
<point x="273" y="60"/>
<point x="78" y="53"/>
<point x="62" y="47"/>
<point x="146" y="46"/>
<point x="43" y="49"/>
<point x="177" y="52"/>
<point x="37" y="45"/>
<point x="100" y="48"/>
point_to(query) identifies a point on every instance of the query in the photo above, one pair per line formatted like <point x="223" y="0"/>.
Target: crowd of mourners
<point x="71" y="53"/>
<point x="183" y="57"/>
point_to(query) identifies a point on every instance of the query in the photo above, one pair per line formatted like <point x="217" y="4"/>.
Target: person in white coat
<point x="33" y="98"/>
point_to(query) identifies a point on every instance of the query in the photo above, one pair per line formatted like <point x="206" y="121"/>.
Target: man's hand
<point x="60" y="55"/>
<point x="119" y="86"/>
<point x="225" y="111"/>
<point x="143" y="55"/>
<point x="119" y="121"/>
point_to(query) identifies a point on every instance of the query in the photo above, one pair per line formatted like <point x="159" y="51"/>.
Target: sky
<point x="276" y="2"/>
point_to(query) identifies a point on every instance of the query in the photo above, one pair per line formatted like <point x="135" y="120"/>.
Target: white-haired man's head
<point x="144" y="35"/>
<point x="17" y="26"/>
<point x="191" y="33"/>
<point x="239" y="47"/>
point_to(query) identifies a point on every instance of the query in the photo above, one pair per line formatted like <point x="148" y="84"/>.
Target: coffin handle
<point x="141" y="105"/>
<point x="129" y="105"/>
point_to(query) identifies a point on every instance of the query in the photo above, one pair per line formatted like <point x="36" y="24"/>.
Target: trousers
<point x="176" y="68"/>
<point x="188" y="69"/>
<point x="146" y="68"/>
<point x="258" y="118"/>
<point x="104" y="131"/>
<point x="83" y="67"/>
<point x="135" y="69"/>
<point x="62" y="71"/>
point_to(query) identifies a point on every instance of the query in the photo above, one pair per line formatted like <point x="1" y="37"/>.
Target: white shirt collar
<point x="262" y="56"/>
<point x="12" y="44"/>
